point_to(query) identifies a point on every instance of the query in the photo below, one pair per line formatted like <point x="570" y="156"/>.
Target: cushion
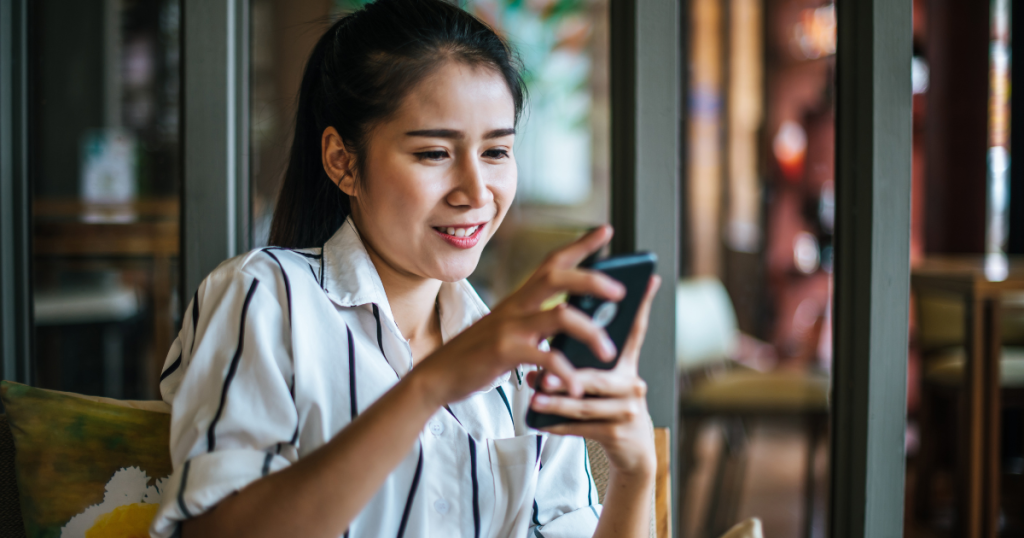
<point x="742" y="390"/>
<point x="750" y="528"/>
<point x="87" y="467"/>
<point x="946" y="367"/>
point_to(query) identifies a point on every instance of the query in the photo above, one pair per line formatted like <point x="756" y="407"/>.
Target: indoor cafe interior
<point x="830" y="366"/>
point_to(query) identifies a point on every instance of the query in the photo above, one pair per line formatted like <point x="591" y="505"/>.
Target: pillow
<point x="87" y="467"/>
<point x="750" y="528"/>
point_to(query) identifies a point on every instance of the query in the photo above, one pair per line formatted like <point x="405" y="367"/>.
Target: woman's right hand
<point x="511" y="334"/>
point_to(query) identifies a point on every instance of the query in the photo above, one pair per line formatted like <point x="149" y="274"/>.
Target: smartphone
<point x="634" y="272"/>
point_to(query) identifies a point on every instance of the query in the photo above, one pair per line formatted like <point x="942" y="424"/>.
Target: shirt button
<point x="441" y="506"/>
<point x="436" y="428"/>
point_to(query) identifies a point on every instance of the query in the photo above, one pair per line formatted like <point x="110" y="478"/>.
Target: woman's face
<point x="439" y="175"/>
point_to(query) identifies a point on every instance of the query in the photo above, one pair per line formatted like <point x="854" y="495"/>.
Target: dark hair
<point x="357" y="76"/>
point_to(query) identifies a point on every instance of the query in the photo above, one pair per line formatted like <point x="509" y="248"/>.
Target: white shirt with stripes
<point x="280" y="349"/>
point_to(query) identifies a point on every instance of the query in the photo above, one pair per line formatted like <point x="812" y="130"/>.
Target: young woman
<point x="349" y="381"/>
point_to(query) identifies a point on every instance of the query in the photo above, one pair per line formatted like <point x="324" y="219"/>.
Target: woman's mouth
<point x="461" y="236"/>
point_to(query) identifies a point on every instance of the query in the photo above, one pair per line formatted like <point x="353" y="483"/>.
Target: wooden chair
<point x="940" y="338"/>
<point x="716" y="387"/>
<point x="661" y="519"/>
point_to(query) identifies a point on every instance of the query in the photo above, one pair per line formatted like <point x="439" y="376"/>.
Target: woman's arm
<point x="327" y="489"/>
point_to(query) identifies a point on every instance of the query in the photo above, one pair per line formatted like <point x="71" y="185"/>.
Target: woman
<point x="349" y="381"/>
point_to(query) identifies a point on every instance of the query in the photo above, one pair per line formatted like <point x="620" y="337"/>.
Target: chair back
<point x="661" y="513"/>
<point x="706" y="329"/>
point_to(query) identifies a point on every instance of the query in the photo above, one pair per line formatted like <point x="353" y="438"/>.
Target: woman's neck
<point x="413" y="301"/>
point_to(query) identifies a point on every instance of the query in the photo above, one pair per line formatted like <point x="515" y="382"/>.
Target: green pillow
<point x="87" y="467"/>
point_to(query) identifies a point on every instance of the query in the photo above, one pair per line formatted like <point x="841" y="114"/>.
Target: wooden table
<point x="978" y="465"/>
<point x="147" y="229"/>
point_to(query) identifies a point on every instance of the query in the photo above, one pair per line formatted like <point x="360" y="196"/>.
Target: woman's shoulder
<point x="291" y="267"/>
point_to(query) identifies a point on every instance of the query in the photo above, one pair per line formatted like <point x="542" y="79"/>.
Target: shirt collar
<point x="351" y="280"/>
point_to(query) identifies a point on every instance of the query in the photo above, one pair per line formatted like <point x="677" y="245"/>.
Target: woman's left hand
<point x="616" y="417"/>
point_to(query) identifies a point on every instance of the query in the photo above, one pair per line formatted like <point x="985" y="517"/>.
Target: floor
<point x="773" y="484"/>
<point x="772" y="487"/>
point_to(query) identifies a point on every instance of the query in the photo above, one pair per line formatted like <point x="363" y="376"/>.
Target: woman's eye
<point x="436" y="155"/>
<point x="496" y="153"/>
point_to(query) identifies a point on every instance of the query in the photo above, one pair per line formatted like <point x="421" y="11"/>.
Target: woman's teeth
<point x="459" y="232"/>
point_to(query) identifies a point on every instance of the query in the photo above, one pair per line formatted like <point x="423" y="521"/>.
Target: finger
<point x="603" y="409"/>
<point x="572" y="254"/>
<point x="635" y="341"/>
<point x="608" y="384"/>
<point x="594" y="429"/>
<point x="555" y="365"/>
<point x="550" y="384"/>
<point x="574" y="281"/>
<point x="568" y="320"/>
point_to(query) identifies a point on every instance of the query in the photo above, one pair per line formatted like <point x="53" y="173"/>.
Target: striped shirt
<point x="280" y="349"/>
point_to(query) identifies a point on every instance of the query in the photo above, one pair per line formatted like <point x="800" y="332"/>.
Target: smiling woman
<point x="444" y="162"/>
<point x="352" y="365"/>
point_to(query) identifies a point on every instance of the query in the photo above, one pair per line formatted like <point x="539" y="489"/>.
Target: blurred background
<point x="758" y="212"/>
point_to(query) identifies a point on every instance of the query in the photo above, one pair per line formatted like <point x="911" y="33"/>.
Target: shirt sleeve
<point x="228" y="378"/>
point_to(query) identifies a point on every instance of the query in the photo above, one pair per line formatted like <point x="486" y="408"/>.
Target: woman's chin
<point x="454" y="270"/>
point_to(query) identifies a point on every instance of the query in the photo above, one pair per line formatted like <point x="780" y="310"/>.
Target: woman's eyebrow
<point x="437" y="133"/>
<point x="459" y="135"/>
<point x="498" y="133"/>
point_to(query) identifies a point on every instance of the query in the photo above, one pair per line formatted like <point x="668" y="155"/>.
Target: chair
<point x="940" y="339"/>
<point x="11" y="525"/>
<point x="717" y="386"/>
<point x="661" y="520"/>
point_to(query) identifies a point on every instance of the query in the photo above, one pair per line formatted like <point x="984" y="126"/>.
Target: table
<point x="145" y="229"/>
<point x="979" y="451"/>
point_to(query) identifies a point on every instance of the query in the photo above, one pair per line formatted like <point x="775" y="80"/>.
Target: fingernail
<point x="552" y="382"/>
<point x="607" y="346"/>
<point x="540" y="399"/>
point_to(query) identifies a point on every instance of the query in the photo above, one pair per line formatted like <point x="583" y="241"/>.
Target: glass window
<point x="105" y="177"/>
<point x="755" y="301"/>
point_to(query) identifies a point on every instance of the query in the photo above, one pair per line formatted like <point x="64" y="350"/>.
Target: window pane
<point x="105" y="173"/>
<point x="754" y="304"/>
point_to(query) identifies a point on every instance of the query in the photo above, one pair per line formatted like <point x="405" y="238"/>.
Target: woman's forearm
<point x="626" y="510"/>
<point x="328" y="488"/>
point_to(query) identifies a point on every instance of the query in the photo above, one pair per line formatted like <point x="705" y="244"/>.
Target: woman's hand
<point x="617" y="416"/>
<point x="511" y="333"/>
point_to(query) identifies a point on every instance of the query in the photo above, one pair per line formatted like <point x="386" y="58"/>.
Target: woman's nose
<point x="471" y="189"/>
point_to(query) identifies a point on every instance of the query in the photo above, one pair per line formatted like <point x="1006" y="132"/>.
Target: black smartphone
<point x="634" y="272"/>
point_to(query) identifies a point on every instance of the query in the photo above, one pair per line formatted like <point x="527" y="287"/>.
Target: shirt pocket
<point x="514" y="464"/>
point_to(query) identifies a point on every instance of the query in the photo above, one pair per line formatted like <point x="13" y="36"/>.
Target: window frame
<point x="872" y="267"/>
<point x="15" y="206"/>
<point x="215" y="197"/>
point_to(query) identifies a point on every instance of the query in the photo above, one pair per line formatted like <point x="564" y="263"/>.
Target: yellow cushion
<point x="92" y="467"/>
<point x="750" y="390"/>
<point x="946" y="367"/>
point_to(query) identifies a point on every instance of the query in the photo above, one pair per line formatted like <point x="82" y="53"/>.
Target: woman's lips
<point x="460" y="236"/>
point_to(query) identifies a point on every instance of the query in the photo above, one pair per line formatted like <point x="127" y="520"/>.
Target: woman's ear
<point x="339" y="162"/>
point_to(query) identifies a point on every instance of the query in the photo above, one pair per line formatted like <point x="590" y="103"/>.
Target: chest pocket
<point x="514" y="465"/>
